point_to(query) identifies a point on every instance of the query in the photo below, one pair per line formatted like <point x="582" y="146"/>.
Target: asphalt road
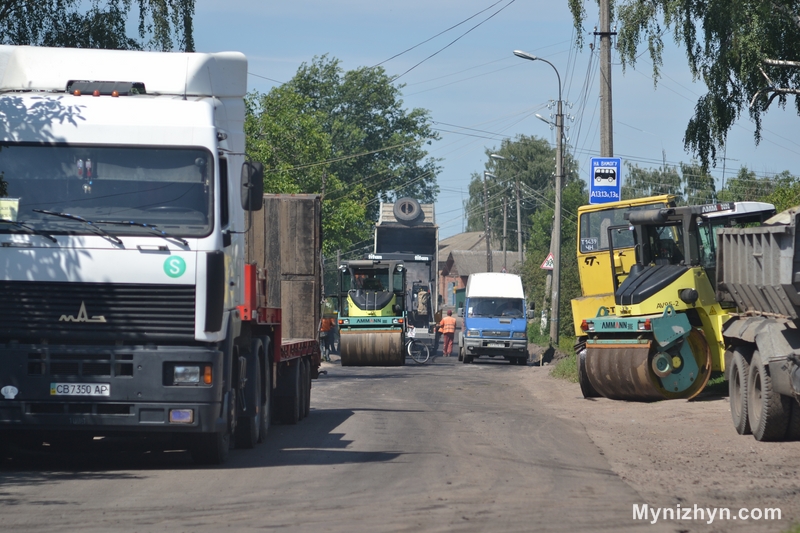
<point x="436" y="447"/>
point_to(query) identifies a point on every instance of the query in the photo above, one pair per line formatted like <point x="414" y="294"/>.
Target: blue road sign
<point x="605" y="182"/>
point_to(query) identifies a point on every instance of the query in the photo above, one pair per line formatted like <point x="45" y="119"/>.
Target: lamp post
<point x="555" y="244"/>
<point x="487" y="230"/>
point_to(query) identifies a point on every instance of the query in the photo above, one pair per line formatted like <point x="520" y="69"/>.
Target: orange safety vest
<point x="448" y="324"/>
<point x="327" y="324"/>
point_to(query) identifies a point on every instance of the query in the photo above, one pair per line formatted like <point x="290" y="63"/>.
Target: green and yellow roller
<point x="372" y="313"/>
<point x="658" y="334"/>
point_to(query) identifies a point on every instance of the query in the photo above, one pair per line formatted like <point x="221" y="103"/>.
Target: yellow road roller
<point x="372" y="313"/>
<point x="662" y="336"/>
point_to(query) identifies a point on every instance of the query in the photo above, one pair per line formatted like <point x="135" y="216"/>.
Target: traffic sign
<point x="605" y="182"/>
<point x="548" y="263"/>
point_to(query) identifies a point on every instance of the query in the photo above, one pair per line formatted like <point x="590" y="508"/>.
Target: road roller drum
<point x="640" y="371"/>
<point x="371" y="348"/>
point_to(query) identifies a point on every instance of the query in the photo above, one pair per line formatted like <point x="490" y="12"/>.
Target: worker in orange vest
<point x="448" y="329"/>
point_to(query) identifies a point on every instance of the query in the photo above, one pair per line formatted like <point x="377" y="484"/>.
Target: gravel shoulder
<point x="683" y="453"/>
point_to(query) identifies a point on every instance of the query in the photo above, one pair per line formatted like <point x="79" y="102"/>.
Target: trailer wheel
<point x="288" y="404"/>
<point x="307" y="402"/>
<point x="768" y="411"/>
<point x="266" y="391"/>
<point x="213" y="448"/>
<point x="304" y="375"/>
<point x="738" y="375"/>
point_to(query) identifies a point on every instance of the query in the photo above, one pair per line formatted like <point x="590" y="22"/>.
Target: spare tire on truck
<point x="407" y="211"/>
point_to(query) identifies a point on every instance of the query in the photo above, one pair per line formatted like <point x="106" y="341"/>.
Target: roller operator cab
<point x="664" y="337"/>
<point x="124" y="208"/>
<point x="494" y="319"/>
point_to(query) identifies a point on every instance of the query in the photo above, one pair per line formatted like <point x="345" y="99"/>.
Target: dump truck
<point x="372" y="314"/>
<point x="758" y="271"/>
<point x="406" y="231"/>
<point x="139" y="300"/>
<point x="663" y="338"/>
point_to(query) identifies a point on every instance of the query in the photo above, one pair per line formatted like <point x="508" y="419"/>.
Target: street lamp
<point x="487" y="231"/>
<point x="519" y="212"/>
<point x="555" y="243"/>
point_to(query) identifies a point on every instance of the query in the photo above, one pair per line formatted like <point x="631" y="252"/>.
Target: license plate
<point x="80" y="389"/>
<point x="495" y="345"/>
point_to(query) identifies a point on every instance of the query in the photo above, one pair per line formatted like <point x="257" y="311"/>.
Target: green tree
<point x="531" y="160"/>
<point x="534" y="278"/>
<point x="162" y="24"/>
<point x="689" y="183"/>
<point x="641" y="182"/>
<point x="376" y="144"/>
<point x="285" y="133"/>
<point x="738" y="49"/>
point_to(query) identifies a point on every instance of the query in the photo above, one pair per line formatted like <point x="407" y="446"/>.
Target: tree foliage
<point x="534" y="278"/>
<point x="531" y="161"/>
<point x="164" y="25"/>
<point x="734" y="47"/>
<point x="376" y="143"/>
<point x="689" y="183"/>
<point x="344" y="135"/>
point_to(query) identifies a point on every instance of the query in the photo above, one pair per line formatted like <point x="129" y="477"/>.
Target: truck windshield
<point x="494" y="307"/>
<point x="170" y="188"/>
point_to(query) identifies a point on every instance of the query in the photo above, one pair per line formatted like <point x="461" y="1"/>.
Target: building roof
<point x="471" y="240"/>
<point x="465" y="262"/>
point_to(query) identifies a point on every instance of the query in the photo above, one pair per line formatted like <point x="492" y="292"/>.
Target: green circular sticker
<point x="174" y="266"/>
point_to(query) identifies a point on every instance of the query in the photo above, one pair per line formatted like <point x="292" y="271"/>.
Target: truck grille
<point x="499" y="334"/>
<point x="96" y="312"/>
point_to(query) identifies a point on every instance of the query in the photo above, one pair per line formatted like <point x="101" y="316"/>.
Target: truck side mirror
<point x="532" y="306"/>
<point x="252" y="186"/>
<point x="461" y="311"/>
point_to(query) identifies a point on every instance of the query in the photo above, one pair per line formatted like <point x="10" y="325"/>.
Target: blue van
<point x="494" y="319"/>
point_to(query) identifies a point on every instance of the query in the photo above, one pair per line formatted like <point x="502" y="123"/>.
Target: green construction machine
<point x="372" y="314"/>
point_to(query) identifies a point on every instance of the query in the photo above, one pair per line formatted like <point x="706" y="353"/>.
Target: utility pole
<point x="519" y="225"/>
<point x="606" y="117"/>
<point x="505" y="227"/>
<point x="487" y="230"/>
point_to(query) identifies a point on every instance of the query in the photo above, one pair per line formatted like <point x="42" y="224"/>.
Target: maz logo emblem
<point x="82" y="317"/>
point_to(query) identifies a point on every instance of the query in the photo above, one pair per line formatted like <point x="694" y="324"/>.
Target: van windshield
<point x="494" y="307"/>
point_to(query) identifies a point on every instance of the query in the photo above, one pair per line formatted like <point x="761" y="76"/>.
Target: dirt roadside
<point x="683" y="453"/>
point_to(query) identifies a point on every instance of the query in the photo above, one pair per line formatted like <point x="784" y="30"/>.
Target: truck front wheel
<point x="213" y="448"/>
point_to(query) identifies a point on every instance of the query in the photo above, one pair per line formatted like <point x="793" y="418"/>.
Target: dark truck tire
<point x="768" y="411"/>
<point x="266" y="391"/>
<point x="793" y="431"/>
<point x="287" y="403"/>
<point x="213" y="448"/>
<point x="248" y="427"/>
<point x="307" y="403"/>
<point x="738" y="375"/>
<point x="305" y="371"/>
<point x="407" y="210"/>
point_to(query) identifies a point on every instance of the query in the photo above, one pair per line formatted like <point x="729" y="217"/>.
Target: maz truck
<point x="134" y="237"/>
<point x="495" y="319"/>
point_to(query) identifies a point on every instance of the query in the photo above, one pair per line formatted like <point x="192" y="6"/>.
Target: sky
<point x="478" y="93"/>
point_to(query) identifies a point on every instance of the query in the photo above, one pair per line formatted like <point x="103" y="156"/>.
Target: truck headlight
<point x="186" y="374"/>
<point x="519" y="335"/>
<point x="473" y="333"/>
